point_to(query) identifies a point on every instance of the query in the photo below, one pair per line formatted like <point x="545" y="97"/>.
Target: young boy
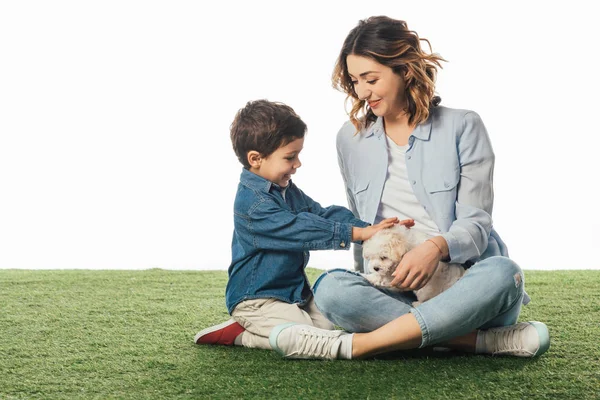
<point x="275" y="227"/>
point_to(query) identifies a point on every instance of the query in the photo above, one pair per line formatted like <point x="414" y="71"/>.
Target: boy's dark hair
<point x="264" y="126"/>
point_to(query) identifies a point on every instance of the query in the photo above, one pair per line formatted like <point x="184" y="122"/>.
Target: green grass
<point x="128" y="335"/>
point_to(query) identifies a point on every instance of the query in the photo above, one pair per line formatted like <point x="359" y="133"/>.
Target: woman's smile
<point x="374" y="104"/>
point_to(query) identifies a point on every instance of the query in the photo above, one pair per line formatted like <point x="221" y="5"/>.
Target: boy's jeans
<point x="488" y="295"/>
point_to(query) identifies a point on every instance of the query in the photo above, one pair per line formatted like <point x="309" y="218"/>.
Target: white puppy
<point x="385" y="250"/>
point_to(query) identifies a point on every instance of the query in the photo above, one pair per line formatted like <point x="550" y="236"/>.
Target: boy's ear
<point x="254" y="158"/>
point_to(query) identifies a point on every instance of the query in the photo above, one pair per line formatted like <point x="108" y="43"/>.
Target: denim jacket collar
<point x="253" y="181"/>
<point x="421" y="131"/>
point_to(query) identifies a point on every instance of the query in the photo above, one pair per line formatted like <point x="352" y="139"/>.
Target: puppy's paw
<point x="374" y="279"/>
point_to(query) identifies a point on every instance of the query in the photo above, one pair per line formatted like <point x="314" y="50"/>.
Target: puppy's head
<point x="385" y="249"/>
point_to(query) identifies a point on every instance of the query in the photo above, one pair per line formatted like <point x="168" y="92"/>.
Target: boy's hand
<point x="409" y="223"/>
<point x="362" y="234"/>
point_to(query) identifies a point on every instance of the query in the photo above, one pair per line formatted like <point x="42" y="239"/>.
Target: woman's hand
<point x="417" y="266"/>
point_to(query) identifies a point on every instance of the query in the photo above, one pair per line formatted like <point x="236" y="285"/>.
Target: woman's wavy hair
<point x="389" y="42"/>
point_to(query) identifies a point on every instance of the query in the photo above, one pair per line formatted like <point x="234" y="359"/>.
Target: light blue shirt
<point x="450" y="165"/>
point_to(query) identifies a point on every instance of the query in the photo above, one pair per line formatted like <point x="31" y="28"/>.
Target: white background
<point x="114" y="121"/>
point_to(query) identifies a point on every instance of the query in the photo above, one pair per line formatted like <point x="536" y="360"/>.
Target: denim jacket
<point x="272" y="238"/>
<point x="450" y="165"/>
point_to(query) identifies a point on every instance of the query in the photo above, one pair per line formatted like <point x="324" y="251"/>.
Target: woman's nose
<point x="362" y="92"/>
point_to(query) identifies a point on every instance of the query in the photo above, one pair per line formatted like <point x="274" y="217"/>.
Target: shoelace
<point x="508" y="339"/>
<point x="316" y="344"/>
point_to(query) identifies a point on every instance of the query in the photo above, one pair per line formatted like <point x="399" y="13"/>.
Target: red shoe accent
<point x="224" y="333"/>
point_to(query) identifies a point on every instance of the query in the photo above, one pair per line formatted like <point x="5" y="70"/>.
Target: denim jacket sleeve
<point x="334" y="213"/>
<point x="274" y="228"/>
<point x="468" y="235"/>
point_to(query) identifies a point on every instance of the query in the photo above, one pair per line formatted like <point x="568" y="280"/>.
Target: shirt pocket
<point x="442" y="190"/>
<point x="444" y="181"/>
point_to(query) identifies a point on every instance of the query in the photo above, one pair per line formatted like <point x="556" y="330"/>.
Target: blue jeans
<point x="488" y="295"/>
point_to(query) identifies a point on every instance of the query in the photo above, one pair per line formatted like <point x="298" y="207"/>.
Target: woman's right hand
<point x="417" y="266"/>
<point x="362" y="234"/>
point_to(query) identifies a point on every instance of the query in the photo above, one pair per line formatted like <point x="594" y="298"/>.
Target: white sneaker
<point x="525" y="339"/>
<point x="294" y="340"/>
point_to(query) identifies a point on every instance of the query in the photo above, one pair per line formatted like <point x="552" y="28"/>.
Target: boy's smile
<point x="279" y="166"/>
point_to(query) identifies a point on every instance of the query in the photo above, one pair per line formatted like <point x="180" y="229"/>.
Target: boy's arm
<point x="274" y="228"/>
<point x="334" y="213"/>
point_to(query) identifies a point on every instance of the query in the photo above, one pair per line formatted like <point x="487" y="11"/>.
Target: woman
<point x="412" y="158"/>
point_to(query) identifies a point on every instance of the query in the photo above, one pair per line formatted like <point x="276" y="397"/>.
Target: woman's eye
<point x="372" y="82"/>
<point x="354" y="82"/>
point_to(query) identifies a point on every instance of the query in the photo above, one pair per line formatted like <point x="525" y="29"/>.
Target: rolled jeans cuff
<point x="425" y="337"/>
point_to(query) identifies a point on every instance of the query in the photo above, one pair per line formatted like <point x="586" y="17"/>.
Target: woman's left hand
<point x="417" y="267"/>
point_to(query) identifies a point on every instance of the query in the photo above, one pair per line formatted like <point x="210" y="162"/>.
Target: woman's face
<point x="378" y="85"/>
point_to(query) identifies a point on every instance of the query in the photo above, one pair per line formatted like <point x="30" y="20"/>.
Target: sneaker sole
<point x="544" y="336"/>
<point x="212" y="329"/>
<point x="275" y="333"/>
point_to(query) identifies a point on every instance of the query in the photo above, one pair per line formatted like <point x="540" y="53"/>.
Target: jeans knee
<point x="329" y="288"/>
<point x="506" y="274"/>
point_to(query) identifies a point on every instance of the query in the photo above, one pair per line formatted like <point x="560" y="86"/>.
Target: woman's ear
<point x="254" y="158"/>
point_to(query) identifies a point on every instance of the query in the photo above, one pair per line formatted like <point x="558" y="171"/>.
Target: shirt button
<point x="414" y="182"/>
<point x="342" y="244"/>
<point x="409" y="157"/>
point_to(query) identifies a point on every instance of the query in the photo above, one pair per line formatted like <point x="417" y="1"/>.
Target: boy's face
<point x="281" y="164"/>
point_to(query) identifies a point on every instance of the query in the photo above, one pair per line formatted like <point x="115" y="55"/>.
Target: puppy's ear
<point x="398" y="246"/>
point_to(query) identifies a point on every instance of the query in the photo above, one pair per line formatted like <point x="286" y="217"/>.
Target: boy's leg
<point x="318" y="319"/>
<point x="224" y="333"/>
<point x="230" y="332"/>
<point x="259" y="316"/>
<point x="343" y="297"/>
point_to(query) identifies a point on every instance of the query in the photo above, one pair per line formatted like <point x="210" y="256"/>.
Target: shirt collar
<point x="421" y="131"/>
<point x="253" y="181"/>
<point x="376" y="128"/>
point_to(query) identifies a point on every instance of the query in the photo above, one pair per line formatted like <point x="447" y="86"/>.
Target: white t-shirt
<point x="398" y="198"/>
